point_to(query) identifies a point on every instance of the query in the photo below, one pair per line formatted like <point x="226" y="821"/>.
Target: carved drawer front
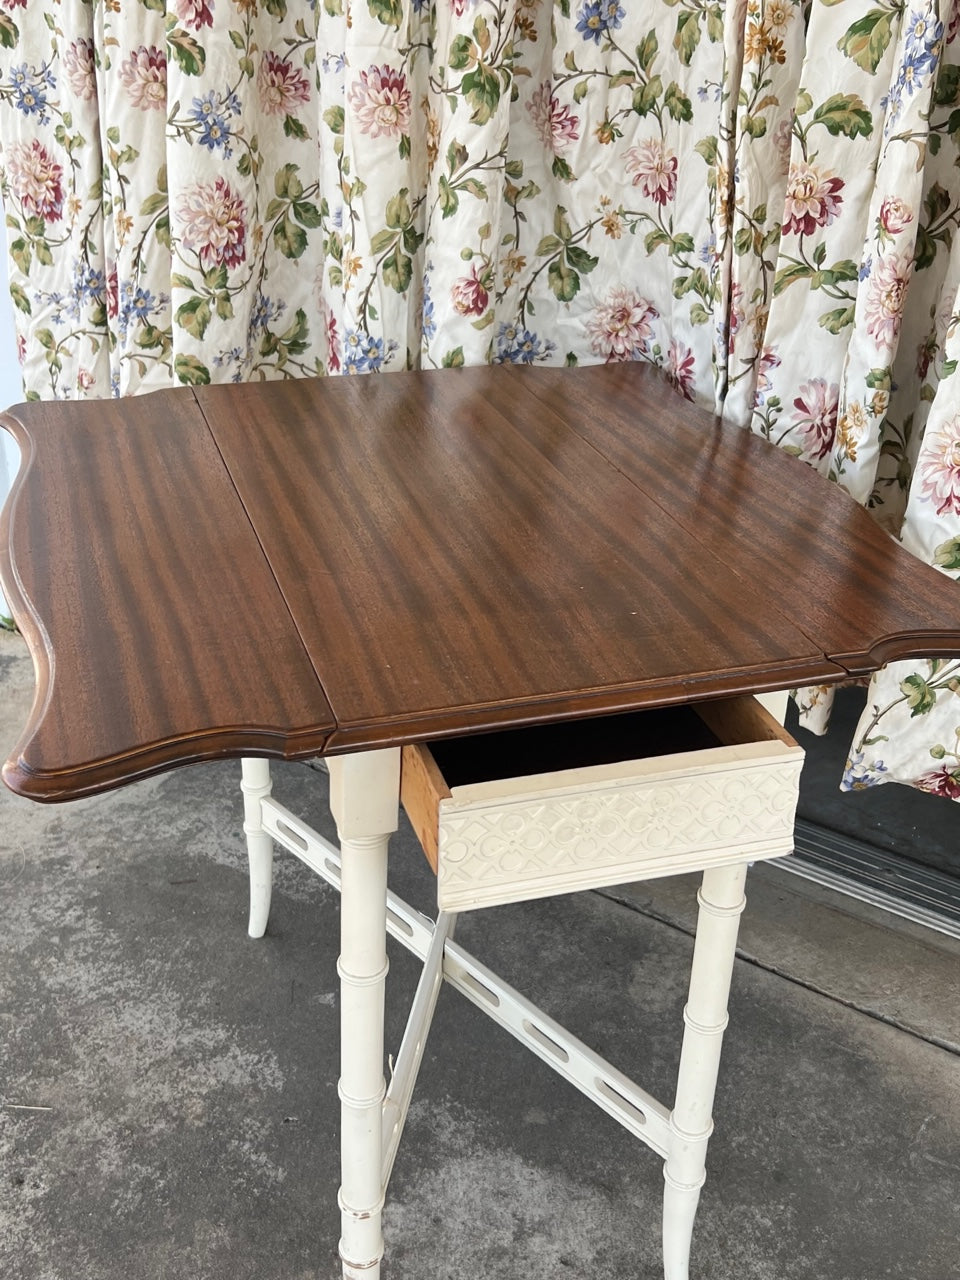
<point x="526" y="813"/>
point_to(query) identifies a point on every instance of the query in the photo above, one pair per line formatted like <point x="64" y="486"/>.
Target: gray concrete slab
<point x="169" y="1086"/>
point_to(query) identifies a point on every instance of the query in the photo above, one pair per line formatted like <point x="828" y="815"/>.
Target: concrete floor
<point x="168" y="1105"/>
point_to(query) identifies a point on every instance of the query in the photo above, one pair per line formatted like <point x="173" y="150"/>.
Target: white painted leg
<point x="705" y="1017"/>
<point x="255" y="785"/>
<point x="364" y="798"/>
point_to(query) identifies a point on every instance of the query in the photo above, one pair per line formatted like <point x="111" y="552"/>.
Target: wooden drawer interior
<point x="505" y="762"/>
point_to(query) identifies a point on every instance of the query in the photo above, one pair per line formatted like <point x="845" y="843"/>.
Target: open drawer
<point x="525" y="813"/>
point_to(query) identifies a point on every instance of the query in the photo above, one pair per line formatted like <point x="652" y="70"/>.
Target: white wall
<point x="11" y="388"/>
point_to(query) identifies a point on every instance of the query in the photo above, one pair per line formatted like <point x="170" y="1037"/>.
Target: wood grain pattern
<point x="458" y="559"/>
<point x="157" y="632"/>
<point x="327" y="565"/>
<point x="825" y="562"/>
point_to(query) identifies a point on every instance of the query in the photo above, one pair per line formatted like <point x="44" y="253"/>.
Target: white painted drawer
<point x="508" y="816"/>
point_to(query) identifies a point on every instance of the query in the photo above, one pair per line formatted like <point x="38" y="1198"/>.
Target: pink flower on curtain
<point x="940" y="468"/>
<point x="621" y="328"/>
<point x="816" y="415"/>
<point x="14" y="4"/>
<point x="468" y="294"/>
<point x="556" y="125"/>
<point x="381" y="101"/>
<point x="281" y="86"/>
<point x="812" y="198"/>
<point x="680" y="368"/>
<point x="894" y="215"/>
<point x="654" y="169"/>
<point x="195" y="13"/>
<point x="78" y="69"/>
<point x="885" y="297"/>
<point x="144" y="76"/>
<point x="113" y="291"/>
<point x="36" y="180"/>
<point x="213" y="223"/>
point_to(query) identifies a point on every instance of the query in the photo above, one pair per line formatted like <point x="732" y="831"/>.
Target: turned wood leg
<point x="705" y="1018"/>
<point x="255" y="785"/>
<point x="364" y="791"/>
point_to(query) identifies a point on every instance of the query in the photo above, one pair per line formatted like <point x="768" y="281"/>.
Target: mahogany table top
<point x="326" y="565"/>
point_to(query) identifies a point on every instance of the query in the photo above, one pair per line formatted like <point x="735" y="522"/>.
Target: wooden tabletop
<point x="332" y="564"/>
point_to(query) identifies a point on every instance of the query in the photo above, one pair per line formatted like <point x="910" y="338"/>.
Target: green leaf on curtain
<point x="398" y="271"/>
<point x="21" y="253"/>
<point x="448" y="198"/>
<point x="398" y="213"/>
<point x="462" y="53"/>
<point x="688" y="35"/>
<point x="948" y="369"/>
<point x="646" y="52"/>
<point x="276" y="7"/>
<point x="292" y="128"/>
<point x="564" y="7"/>
<point x="789" y="275"/>
<point x="715" y="23"/>
<point x="867" y="39"/>
<point x="756" y="126"/>
<point x="286" y="182"/>
<point x="382" y="241"/>
<point x="820" y="253"/>
<point x="306" y="213"/>
<point x="620" y="79"/>
<point x="548" y="245"/>
<point x="179" y="281"/>
<point x="921" y="697"/>
<point x="947" y="89"/>
<point x="837" y="321"/>
<point x="846" y="114"/>
<point x="677" y="102"/>
<point x="682" y="242"/>
<point x="699" y="314"/>
<point x="290" y="239"/>
<point x="560" y="169"/>
<point x="237" y="39"/>
<point x="194" y="316"/>
<point x="937" y="202"/>
<point x="161" y="230"/>
<point x="561" y="223"/>
<point x="743" y="241"/>
<point x="564" y="282"/>
<point x="296" y="338"/>
<point x="580" y="260"/>
<point x="20" y="299"/>
<point x="645" y="98"/>
<point x="707" y="147"/>
<point x="153" y="204"/>
<point x="42" y="250"/>
<point x="387" y="12"/>
<point x="655" y="238"/>
<point x="482" y="90"/>
<point x="580" y="90"/>
<point x="9" y="32"/>
<point x="925" y="249"/>
<point x="189" y="55"/>
<point x="216" y="277"/>
<point x="333" y="119"/>
<point x="804" y="102"/>
<point x="453" y="359"/>
<point x="191" y="371"/>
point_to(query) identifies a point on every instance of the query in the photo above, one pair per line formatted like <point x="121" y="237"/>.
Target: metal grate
<point x="870" y="875"/>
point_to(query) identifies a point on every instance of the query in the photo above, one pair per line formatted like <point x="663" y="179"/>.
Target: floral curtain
<point x="759" y="197"/>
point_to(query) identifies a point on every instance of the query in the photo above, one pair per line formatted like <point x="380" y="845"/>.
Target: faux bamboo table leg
<point x="705" y="1017"/>
<point x="364" y="793"/>
<point x="255" y="785"/>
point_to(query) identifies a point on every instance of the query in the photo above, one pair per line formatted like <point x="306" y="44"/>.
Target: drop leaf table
<point x="542" y="607"/>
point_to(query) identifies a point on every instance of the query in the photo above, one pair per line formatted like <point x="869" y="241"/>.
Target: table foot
<point x="364" y="793"/>
<point x="705" y="1019"/>
<point x="256" y="785"/>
